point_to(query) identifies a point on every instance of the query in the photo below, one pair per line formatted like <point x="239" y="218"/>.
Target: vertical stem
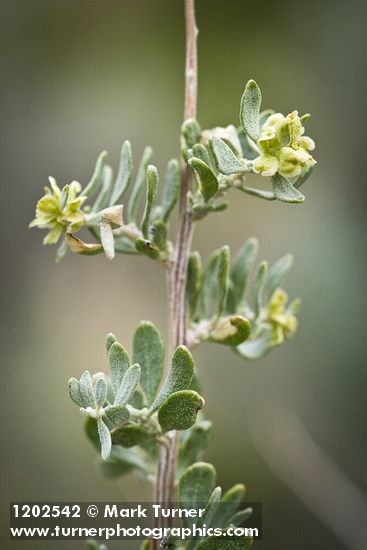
<point x="166" y="473"/>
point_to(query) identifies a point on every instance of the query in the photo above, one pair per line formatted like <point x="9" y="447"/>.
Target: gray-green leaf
<point x="131" y="435"/>
<point x="215" y="283"/>
<point x="277" y="274"/>
<point x="123" y="178"/>
<point x="240" y="272"/>
<point x="194" y="442"/>
<point x="97" y="177"/>
<point x="231" y="331"/>
<point x="250" y="109"/>
<point x="206" y="179"/>
<point x="148" y="351"/>
<point x="258" y="285"/>
<point x="171" y="188"/>
<point x="104" y="438"/>
<point x="74" y="392"/>
<point x="179" y="410"/>
<point x="152" y="184"/>
<point x="128" y="385"/>
<point x="103" y="196"/>
<point x="196" y="484"/>
<point x="193" y="283"/>
<point x="117" y="414"/>
<point x="101" y="392"/>
<point x="226" y="161"/>
<point x="133" y="205"/>
<point x="285" y="191"/>
<point x="118" y="363"/>
<point x="86" y="389"/>
<point x="230" y="503"/>
<point x="179" y="377"/>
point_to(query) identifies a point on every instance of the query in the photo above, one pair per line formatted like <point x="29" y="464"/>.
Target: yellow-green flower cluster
<point x="58" y="209"/>
<point x="284" y="322"/>
<point x="283" y="147"/>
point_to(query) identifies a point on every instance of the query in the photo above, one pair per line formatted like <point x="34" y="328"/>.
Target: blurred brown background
<point x="80" y="76"/>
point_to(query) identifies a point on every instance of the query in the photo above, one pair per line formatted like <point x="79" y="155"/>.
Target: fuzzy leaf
<point x="130" y="435"/>
<point x="152" y="184"/>
<point x="117" y="414"/>
<point x="159" y="232"/>
<point x="191" y="132"/>
<point x="231" y="331"/>
<point x="133" y="205"/>
<point x="259" y="193"/>
<point x="91" y="431"/>
<point x="124" y="245"/>
<point x="255" y="349"/>
<point x="75" y="394"/>
<point x="240" y="517"/>
<point x="277" y="274"/>
<point x="215" y="283"/>
<point x="240" y="272"/>
<point x="250" y="109"/>
<point x="230" y="503"/>
<point x="144" y="246"/>
<point x="128" y="385"/>
<point x="207" y="182"/>
<point x="110" y="339"/>
<point x="149" y="353"/>
<point x="207" y="518"/>
<point x="179" y="410"/>
<point x="101" y="392"/>
<point x="201" y="152"/>
<point x="104" y="438"/>
<point x="107" y="239"/>
<point x="86" y="389"/>
<point x="97" y="177"/>
<point x="123" y="178"/>
<point x="61" y="252"/>
<point x="285" y="191"/>
<point x="171" y="188"/>
<point x="258" y="285"/>
<point x="179" y="377"/>
<point x="102" y="199"/>
<point x="193" y="283"/>
<point x="118" y="363"/>
<point x="196" y="484"/>
<point x="226" y="161"/>
<point x="194" y="442"/>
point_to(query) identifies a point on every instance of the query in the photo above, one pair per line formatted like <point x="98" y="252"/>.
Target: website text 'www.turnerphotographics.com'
<point x="133" y="521"/>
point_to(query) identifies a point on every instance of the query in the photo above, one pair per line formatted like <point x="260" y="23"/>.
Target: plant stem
<point x="166" y="473"/>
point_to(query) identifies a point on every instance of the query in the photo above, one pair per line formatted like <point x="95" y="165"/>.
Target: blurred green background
<point x="79" y="76"/>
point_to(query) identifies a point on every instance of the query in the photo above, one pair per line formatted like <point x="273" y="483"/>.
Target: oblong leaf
<point x="214" y="286"/>
<point x="75" y="394"/>
<point x="118" y="363"/>
<point x="124" y="173"/>
<point x="240" y="272"/>
<point x="196" y="484"/>
<point x="277" y="274"/>
<point x="171" y="189"/>
<point x="226" y="161"/>
<point x="255" y="349"/>
<point x="179" y="377"/>
<point x="148" y="351"/>
<point x="104" y="194"/>
<point x="284" y="191"/>
<point x="259" y="193"/>
<point x="128" y="385"/>
<point x="104" y="438"/>
<point x="117" y="414"/>
<point x="258" y="285"/>
<point x="101" y="392"/>
<point x="179" y="410"/>
<point x="131" y="435"/>
<point x="193" y="282"/>
<point x="152" y="184"/>
<point x="194" y="442"/>
<point x="133" y="204"/>
<point x="230" y="503"/>
<point x="206" y="179"/>
<point x="250" y="110"/>
<point x="86" y="388"/>
<point x="97" y="177"/>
